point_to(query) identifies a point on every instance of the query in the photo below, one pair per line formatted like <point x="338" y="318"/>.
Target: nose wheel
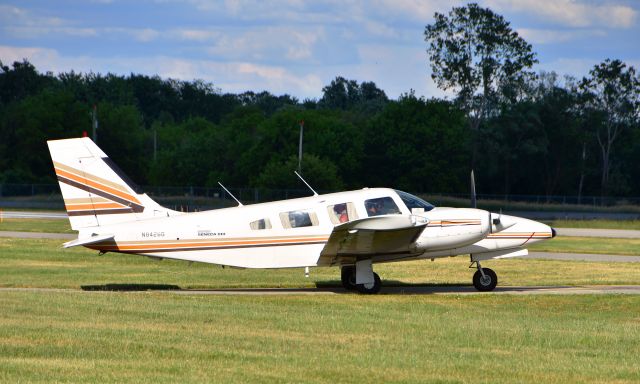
<point x="485" y="279"/>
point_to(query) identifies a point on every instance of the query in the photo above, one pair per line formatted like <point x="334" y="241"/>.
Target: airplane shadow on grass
<point x="130" y="287"/>
<point x="330" y="286"/>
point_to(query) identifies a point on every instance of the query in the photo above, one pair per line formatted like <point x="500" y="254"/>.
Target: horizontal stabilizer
<point x="88" y="240"/>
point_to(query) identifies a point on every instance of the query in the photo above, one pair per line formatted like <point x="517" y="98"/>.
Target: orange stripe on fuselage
<point x="177" y="245"/>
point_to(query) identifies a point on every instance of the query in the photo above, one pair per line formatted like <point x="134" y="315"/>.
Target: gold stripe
<point x="87" y="200"/>
<point x="103" y="188"/>
<point x="90" y="177"/>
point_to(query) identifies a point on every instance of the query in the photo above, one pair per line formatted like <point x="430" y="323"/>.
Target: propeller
<point x="496" y="222"/>
<point x="473" y="191"/>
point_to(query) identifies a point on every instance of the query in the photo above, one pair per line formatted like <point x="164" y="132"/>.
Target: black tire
<point x="372" y="288"/>
<point x="348" y="277"/>
<point x="488" y="283"/>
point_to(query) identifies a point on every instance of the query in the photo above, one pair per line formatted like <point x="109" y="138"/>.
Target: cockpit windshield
<point x="414" y="202"/>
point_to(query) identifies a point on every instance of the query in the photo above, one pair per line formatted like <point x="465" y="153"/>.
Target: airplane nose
<point x="553" y="233"/>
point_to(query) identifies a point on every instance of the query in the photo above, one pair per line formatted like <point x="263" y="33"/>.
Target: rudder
<point x="94" y="190"/>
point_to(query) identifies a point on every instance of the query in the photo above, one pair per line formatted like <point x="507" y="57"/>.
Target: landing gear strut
<point x="484" y="280"/>
<point x="348" y="278"/>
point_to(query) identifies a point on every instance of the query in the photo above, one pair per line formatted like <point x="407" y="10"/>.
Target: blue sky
<point x="295" y="46"/>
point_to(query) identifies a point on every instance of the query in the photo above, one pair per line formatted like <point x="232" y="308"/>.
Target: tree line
<point x="522" y="132"/>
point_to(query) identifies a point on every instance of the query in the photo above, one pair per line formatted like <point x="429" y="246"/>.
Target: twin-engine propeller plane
<point x="352" y="230"/>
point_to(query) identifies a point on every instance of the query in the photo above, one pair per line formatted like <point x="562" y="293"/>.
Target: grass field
<point x="167" y="338"/>
<point x="597" y="224"/>
<point x="36" y="225"/>
<point x="164" y="337"/>
<point x="42" y="263"/>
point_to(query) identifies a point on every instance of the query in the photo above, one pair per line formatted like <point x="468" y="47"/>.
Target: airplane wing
<point x="87" y="240"/>
<point x="378" y="235"/>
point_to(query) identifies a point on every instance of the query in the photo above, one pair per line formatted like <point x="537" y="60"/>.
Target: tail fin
<point x="94" y="190"/>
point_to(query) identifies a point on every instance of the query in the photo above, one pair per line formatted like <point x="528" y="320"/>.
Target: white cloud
<point x="570" y="12"/>
<point x="144" y="35"/>
<point x="551" y="36"/>
<point x="419" y="10"/>
<point x="266" y="44"/>
<point x="14" y="16"/>
<point x="569" y="66"/>
<point x="197" y="35"/>
<point x="35" y="55"/>
<point x="229" y="76"/>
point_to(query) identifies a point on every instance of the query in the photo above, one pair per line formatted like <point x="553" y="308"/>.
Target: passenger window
<point x="381" y="206"/>
<point x="260" y="224"/>
<point x="341" y="213"/>
<point x="296" y="219"/>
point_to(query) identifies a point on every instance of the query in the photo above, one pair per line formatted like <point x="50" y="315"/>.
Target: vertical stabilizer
<point x="94" y="190"/>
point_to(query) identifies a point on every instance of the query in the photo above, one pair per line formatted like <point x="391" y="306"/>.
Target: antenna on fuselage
<point x="307" y="184"/>
<point x="230" y="194"/>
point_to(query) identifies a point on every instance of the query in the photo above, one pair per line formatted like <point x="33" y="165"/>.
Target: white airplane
<point x="352" y="230"/>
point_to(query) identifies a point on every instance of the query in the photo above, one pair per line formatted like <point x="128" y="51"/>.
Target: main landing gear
<point x="484" y="280"/>
<point x="348" y="277"/>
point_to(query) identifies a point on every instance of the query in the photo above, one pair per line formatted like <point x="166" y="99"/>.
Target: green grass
<point x="36" y="225"/>
<point x="42" y="263"/>
<point x="601" y="245"/>
<point x="596" y="224"/>
<point x="167" y="338"/>
<point x="163" y="337"/>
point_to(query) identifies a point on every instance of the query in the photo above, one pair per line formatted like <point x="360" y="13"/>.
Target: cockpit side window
<point x="381" y="206"/>
<point x="413" y="202"/>
<point x="341" y="213"/>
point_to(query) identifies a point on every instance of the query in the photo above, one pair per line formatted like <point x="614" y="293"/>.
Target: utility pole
<point x="300" y="147"/>
<point x="94" y="119"/>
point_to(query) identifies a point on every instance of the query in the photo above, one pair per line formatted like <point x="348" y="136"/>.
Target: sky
<point x="296" y="47"/>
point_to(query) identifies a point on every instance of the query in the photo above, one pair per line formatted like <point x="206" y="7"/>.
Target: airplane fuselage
<point x="293" y="233"/>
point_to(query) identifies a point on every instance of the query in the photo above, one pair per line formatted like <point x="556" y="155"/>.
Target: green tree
<point x="321" y="173"/>
<point x="474" y="52"/>
<point x="26" y="125"/>
<point x="20" y="81"/>
<point x="348" y="94"/>
<point x="417" y="145"/>
<point x="612" y="96"/>
<point x="327" y="134"/>
<point x="122" y="136"/>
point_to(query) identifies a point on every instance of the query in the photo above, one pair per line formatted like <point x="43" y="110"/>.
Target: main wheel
<point x="348" y="277"/>
<point x="486" y="283"/>
<point x="371" y="287"/>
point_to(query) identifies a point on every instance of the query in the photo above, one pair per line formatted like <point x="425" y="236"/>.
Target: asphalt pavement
<point x="33" y="215"/>
<point x="589" y="232"/>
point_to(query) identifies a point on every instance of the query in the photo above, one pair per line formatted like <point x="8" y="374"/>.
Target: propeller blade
<point x="473" y="191"/>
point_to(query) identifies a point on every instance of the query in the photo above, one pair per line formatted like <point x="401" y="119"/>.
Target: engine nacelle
<point x="453" y="228"/>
